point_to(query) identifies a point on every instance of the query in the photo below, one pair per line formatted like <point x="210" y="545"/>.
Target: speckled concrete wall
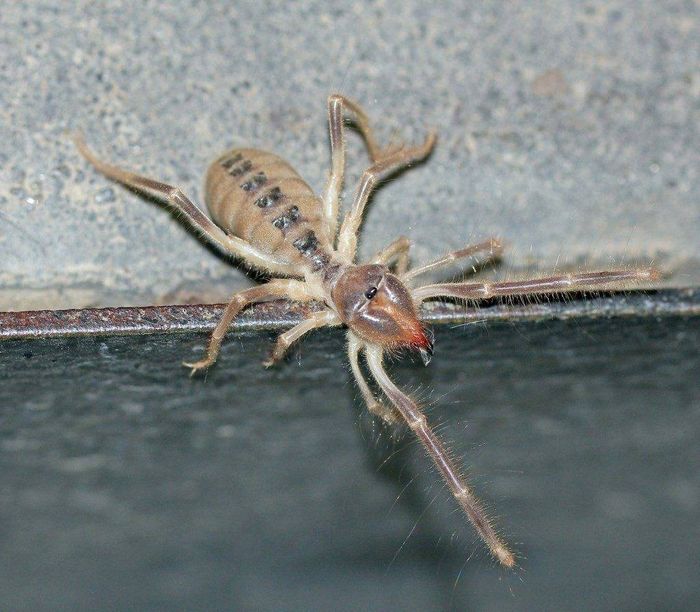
<point x="568" y="128"/>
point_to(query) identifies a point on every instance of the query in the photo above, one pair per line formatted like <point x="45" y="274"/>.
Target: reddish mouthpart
<point x="424" y="343"/>
<point x="421" y="340"/>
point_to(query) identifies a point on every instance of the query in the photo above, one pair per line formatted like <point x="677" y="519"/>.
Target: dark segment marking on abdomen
<point x="237" y="165"/>
<point x="270" y="198"/>
<point x="259" y="197"/>
<point x="254" y="183"/>
<point x="307" y="245"/>
<point x="244" y="168"/>
<point x="284" y="222"/>
<point x="231" y="161"/>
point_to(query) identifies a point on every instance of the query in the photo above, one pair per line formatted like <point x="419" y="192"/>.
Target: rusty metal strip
<point x="279" y="314"/>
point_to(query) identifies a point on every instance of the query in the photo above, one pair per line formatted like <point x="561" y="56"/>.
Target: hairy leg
<point x="275" y="289"/>
<point x="339" y="107"/>
<point x="384" y="412"/>
<point x="416" y="420"/>
<point x="396" y="251"/>
<point x="552" y="284"/>
<point x="324" y="318"/>
<point x="331" y="193"/>
<point x="492" y="248"/>
<point x="176" y="200"/>
<point x="347" y="238"/>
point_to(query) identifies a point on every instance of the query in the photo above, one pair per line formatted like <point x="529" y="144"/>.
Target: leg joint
<point x="175" y="193"/>
<point x="283" y="343"/>
<point x="418" y="421"/>
<point x="335" y="99"/>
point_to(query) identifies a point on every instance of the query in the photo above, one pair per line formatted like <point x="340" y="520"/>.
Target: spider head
<point x="378" y="307"/>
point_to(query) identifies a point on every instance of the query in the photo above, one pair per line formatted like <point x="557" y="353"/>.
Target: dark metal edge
<point x="282" y="314"/>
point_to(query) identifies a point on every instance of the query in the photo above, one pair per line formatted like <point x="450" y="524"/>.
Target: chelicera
<point x="266" y="215"/>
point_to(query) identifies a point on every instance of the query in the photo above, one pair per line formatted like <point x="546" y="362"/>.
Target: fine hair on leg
<point x="275" y="289"/>
<point x="195" y="218"/>
<point x="462" y="492"/>
<point x="583" y="281"/>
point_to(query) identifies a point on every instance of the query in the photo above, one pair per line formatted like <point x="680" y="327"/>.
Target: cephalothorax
<point x="269" y="217"/>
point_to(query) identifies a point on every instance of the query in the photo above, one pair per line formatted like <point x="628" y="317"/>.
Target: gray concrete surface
<point x="568" y="128"/>
<point x="125" y="485"/>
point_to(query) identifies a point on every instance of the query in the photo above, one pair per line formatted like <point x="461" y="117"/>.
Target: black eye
<point x="370" y="293"/>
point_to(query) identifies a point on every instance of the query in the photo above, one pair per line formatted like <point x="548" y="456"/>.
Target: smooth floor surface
<point x="125" y="484"/>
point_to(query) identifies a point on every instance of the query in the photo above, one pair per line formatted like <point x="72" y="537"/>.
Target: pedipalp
<point x="462" y="492"/>
<point x="584" y="281"/>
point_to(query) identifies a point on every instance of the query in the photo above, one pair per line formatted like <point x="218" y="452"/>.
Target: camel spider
<point x="266" y="215"/>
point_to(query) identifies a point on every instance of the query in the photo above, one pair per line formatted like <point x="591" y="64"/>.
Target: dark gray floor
<point x="124" y="484"/>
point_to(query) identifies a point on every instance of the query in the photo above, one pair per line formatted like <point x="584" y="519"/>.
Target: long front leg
<point x="347" y="238"/>
<point x="552" y="284"/>
<point x="462" y="492"/>
<point x="276" y="289"/>
<point x="323" y="318"/>
<point x="195" y="218"/>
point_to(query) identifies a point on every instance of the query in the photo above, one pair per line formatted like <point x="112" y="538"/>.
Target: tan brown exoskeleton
<point x="266" y="215"/>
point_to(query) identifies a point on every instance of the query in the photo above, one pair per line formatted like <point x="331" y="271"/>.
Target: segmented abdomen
<point x="259" y="197"/>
